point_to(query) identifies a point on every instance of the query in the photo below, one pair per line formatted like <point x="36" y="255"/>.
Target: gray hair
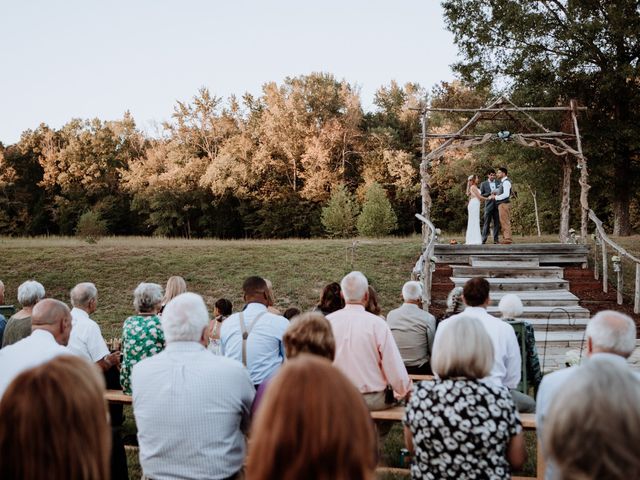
<point x="600" y="403"/>
<point x="462" y="348"/>
<point x="612" y="332"/>
<point x="184" y="318"/>
<point x="147" y="296"/>
<point x="510" y="306"/>
<point x="412" y="290"/>
<point x="83" y="293"/>
<point x="354" y="287"/>
<point x="454" y="300"/>
<point x="30" y="293"/>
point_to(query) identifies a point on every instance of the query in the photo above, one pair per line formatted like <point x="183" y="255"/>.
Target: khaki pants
<point x="505" y="222"/>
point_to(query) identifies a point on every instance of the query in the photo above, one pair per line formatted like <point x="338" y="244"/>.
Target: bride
<point x="474" y="237"/>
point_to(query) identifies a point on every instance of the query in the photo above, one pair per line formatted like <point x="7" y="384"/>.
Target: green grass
<point x="299" y="269"/>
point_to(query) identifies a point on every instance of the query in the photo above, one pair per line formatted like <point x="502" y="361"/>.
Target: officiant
<point x="491" y="213"/>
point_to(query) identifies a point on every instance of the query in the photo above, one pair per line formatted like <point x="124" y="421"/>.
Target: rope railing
<point x="602" y="239"/>
<point x="423" y="269"/>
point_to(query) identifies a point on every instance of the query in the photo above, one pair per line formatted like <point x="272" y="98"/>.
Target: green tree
<point x="340" y="213"/>
<point x="91" y="226"/>
<point x="552" y="50"/>
<point x="377" y="217"/>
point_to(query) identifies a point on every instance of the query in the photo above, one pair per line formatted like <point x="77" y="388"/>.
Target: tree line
<point x="302" y="159"/>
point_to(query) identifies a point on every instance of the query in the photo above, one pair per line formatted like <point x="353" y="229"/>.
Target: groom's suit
<point x="490" y="210"/>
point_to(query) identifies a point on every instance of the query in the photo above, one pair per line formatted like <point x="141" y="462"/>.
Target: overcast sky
<point x="83" y="58"/>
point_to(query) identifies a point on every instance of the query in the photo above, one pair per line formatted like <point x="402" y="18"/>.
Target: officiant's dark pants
<point x="491" y="214"/>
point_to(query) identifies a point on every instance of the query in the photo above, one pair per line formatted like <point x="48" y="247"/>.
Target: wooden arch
<point x="534" y="134"/>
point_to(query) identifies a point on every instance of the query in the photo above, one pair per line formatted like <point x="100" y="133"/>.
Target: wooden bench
<point x="395" y="414"/>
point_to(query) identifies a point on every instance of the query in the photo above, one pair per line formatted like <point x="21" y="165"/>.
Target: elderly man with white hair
<point x="365" y="349"/>
<point x="611" y="336"/>
<point x="86" y="338"/>
<point x="191" y="406"/>
<point x="413" y="330"/>
<point x="19" y="325"/>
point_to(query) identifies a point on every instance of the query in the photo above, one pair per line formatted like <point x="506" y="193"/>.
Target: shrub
<point x="91" y="226"/>
<point x="377" y="217"/>
<point x="339" y="215"/>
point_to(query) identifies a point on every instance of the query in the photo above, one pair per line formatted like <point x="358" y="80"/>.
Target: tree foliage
<point x="377" y="217"/>
<point x="549" y="51"/>
<point x="340" y="214"/>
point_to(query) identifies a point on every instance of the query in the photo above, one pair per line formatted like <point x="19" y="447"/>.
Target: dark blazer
<point x="485" y="191"/>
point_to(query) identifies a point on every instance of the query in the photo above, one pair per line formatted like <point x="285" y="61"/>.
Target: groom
<point x="501" y="195"/>
<point x="490" y="208"/>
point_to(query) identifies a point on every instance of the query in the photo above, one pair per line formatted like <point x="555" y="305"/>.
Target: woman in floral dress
<point x="459" y="426"/>
<point x="142" y="335"/>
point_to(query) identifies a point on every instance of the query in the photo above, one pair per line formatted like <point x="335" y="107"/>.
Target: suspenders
<point x="245" y="334"/>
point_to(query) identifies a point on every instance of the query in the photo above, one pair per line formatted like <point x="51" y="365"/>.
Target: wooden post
<point x="620" y="285"/>
<point x="424" y="182"/>
<point x="584" y="174"/>
<point x="565" y="204"/>
<point x="605" y="264"/>
<point x="636" y="300"/>
<point x="596" y="268"/>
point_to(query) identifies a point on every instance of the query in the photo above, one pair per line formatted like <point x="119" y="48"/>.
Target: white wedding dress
<point x="474" y="237"/>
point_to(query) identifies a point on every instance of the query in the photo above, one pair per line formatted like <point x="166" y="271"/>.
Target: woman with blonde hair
<point x="458" y="426"/>
<point x="313" y="425"/>
<point x="54" y="423"/>
<point x="175" y="286"/>
<point x="473" y="235"/>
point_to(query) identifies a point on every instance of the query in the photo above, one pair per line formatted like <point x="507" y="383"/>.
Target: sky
<point x="86" y="59"/>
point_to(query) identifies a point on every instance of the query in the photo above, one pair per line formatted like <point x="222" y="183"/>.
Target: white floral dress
<point x="142" y="337"/>
<point x="461" y="429"/>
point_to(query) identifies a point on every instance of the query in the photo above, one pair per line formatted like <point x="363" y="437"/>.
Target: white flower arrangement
<point x="573" y="358"/>
<point x="615" y="260"/>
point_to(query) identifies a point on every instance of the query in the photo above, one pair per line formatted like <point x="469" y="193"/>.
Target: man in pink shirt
<point x="365" y="349"/>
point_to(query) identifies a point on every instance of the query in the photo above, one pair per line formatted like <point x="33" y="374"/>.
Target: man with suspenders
<point x="254" y="336"/>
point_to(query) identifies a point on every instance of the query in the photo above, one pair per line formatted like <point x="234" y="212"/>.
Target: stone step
<point x="495" y="270"/>
<point x="505" y="261"/>
<point x="519" y="284"/>
<point x="555" y="298"/>
<point x="572" y="312"/>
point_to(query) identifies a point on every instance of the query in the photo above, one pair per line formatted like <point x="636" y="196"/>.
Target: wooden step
<point x="540" y="298"/>
<point x="519" y="284"/>
<point x="495" y="270"/>
<point x="547" y="253"/>
<point x="506" y="261"/>
<point x="559" y="337"/>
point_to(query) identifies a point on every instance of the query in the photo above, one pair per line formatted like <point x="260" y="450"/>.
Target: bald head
<point x="53" y="316"/>
<point x="611" y="332"/>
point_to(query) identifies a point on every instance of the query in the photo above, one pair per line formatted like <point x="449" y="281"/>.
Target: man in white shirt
<point x="507" y="360"/>
<point x="611" y="336"/>
<point x="262" y="350"/>
<point x="191" y="406"/>
<point x="413" y="330"/>
<point x="50" y="329"/>
<point x="86" y="338"/>
<point x="502" y="196"/>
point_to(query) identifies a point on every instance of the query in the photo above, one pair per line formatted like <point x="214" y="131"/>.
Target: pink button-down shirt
<point x="366" y="351"/>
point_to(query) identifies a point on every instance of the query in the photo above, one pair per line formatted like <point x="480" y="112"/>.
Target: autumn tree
<point x="560" y="49"/>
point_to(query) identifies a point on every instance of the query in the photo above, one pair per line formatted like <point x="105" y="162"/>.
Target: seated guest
<point x="365" y="349"/>
<point x="507" y="361"/>
<point x="55" y="424"/>
<point x="459" y="426"/>
<point x="51" y="324"/>
<point x="610" y="336"/>
<point x="373" y="305"/>
<point x="291" y="312"/>
<point x="271" y="298"/>
<point x="191" y="407"/>
<point x="307" y="333"/>
<point x="295" y="434"/>
<point x="3" y="321"/>
<point x="455" y="304"/>
<point x="510" y="307"/>
<point x="221" y="310"/>
<point x="330" y="300"/>
<point x="86" y="338"/>
<point x="593" y="423"/>
<point x="254" y="336"/>
<point x="19" y="325"/>
<point x="175" y="286"/>
<point x="413" y="330"/>
<point x="142" y="334"/>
